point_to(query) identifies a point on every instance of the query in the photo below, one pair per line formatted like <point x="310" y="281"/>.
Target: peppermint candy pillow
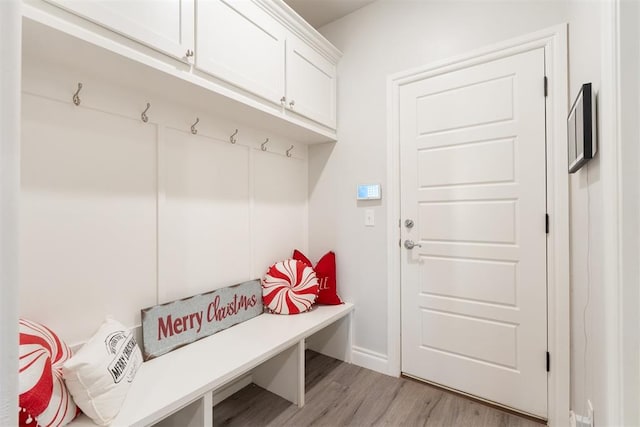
<point x="44" y="398"/>
<point x="289" y="287"/>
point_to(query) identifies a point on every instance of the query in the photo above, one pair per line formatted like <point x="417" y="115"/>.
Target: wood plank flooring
<point x="340" y="394"/>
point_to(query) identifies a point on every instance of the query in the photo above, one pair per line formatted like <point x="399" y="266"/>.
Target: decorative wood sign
<point x="172" y="325"/>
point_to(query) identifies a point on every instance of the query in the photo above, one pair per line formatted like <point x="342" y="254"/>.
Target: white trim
<point x="301" y="28"/>
<point x="610" y="152"/>
<point x="369" y="359"/>
<point x="554" y="41"/>
<point x="10" y="98"/>
<point x="628" y="92"/>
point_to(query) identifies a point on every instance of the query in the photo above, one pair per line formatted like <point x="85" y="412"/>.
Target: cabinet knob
<point x="283" y="100"/>
<point x="291" y="104"/>
<point x="189" y="53"/>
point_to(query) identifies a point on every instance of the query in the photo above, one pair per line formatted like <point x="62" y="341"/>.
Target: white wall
<point x="604" y="314"/>
<point x="630" y="139"/>
<point x="588" y="351"/>
<point x="118" y="215"/>
<point x="381" y="39"/>
<point x="10" y="76"/>
<point x="392" y="35"/>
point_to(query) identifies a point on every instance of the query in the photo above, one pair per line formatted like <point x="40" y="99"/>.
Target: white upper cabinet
<point x="245" y="53"/>
<point x="239" y="42"/>
<point x="311" y="83"/>
<point x="166" y="25"/>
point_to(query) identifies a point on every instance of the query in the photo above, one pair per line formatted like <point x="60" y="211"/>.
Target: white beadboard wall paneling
<point x="280" y="196"/>
<point x="205" y="229"/>
<point x="10" y="76"/>
<point x="88" y="217"/>
<point x="119" y="214"/>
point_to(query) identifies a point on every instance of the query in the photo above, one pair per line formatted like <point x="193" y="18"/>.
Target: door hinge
<point x="548" y="362"/>
<point x="546" y="86"/>
<point x="400" y="242"/>
<point x="546" y="223"/>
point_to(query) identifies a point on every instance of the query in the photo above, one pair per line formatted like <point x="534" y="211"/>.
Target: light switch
<point x="369" y="218"/>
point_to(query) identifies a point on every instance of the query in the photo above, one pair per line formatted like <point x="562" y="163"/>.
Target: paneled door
<point x="473" y="206"/>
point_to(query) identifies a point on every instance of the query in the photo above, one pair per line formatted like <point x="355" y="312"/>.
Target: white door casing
<point x="474" y="295"/>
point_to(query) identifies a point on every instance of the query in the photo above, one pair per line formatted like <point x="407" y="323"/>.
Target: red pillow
<point x="44" y="398"/>
<point x="326" y="272"/>
<point x="289" y="287"/>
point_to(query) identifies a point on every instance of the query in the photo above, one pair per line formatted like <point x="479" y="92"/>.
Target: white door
<point x="473" y="181"/>
<point x="311" y="83"/>
<point x="241" y="43"/>
<point x="163" y="25"/>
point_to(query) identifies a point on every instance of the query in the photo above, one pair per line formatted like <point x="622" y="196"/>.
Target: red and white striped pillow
<point x="289" y="287"/>
<point x="44" y="398"/>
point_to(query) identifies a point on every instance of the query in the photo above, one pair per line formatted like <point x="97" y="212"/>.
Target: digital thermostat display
<point x="369" y="192"/>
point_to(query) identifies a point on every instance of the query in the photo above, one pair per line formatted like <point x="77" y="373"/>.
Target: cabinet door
<point x="242" y="44"/>
<point x="311" y="83"/>
<point x="165" y="25"/>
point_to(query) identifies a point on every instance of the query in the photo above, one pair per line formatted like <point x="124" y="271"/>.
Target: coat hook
<point x="263" y="145"/>
<point x="144" y="116"/>
<point x="232" y="138"/>
<point x="289" y="151"/>
<point x="193" y="126"/>
<point x="76" y="97"/>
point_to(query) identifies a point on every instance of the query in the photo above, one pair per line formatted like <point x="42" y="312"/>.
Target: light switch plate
<point x="369" y="218"/>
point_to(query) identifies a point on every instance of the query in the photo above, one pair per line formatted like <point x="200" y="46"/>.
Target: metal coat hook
<point x="289" y="151"/>
<point x="193" y="126"/>
<point x="76" y="97"/>
<point x="264" y="144"/>
<point x="144" y="116"/>
<point x="232" y="138"/>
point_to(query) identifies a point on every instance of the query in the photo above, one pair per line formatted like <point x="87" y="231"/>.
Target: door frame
<point x="554" y="42"/>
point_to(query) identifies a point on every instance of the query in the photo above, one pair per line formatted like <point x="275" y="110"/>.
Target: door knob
<point x="409" y="244"/>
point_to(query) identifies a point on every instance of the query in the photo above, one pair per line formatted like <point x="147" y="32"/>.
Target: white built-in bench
<point x="177" y="389"/>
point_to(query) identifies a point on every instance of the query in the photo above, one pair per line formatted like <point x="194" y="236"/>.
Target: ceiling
<point x="321" y="12"/>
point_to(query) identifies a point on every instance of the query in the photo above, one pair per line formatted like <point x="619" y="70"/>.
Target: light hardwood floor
<point x="340" y="394"/>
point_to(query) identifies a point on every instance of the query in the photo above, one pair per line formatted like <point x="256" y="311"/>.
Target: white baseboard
<point x="370" y="359"/>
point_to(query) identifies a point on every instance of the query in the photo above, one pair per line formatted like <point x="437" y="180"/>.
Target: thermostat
<point x="369" y="192"/>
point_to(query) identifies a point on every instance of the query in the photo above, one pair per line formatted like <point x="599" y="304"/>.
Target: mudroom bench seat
<point x="177" y="389"/>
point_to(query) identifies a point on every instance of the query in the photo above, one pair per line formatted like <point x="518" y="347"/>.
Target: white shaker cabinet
<point x="245" y="43"/>
<point x="166" y="26"/>
<point x="311" y="83"/>
<point x="239" y="42"/>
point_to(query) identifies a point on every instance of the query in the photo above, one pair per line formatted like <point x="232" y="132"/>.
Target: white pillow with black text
<point x="100" y="373"/>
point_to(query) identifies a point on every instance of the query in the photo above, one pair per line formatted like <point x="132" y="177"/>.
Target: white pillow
<point x="100" y="373"/>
